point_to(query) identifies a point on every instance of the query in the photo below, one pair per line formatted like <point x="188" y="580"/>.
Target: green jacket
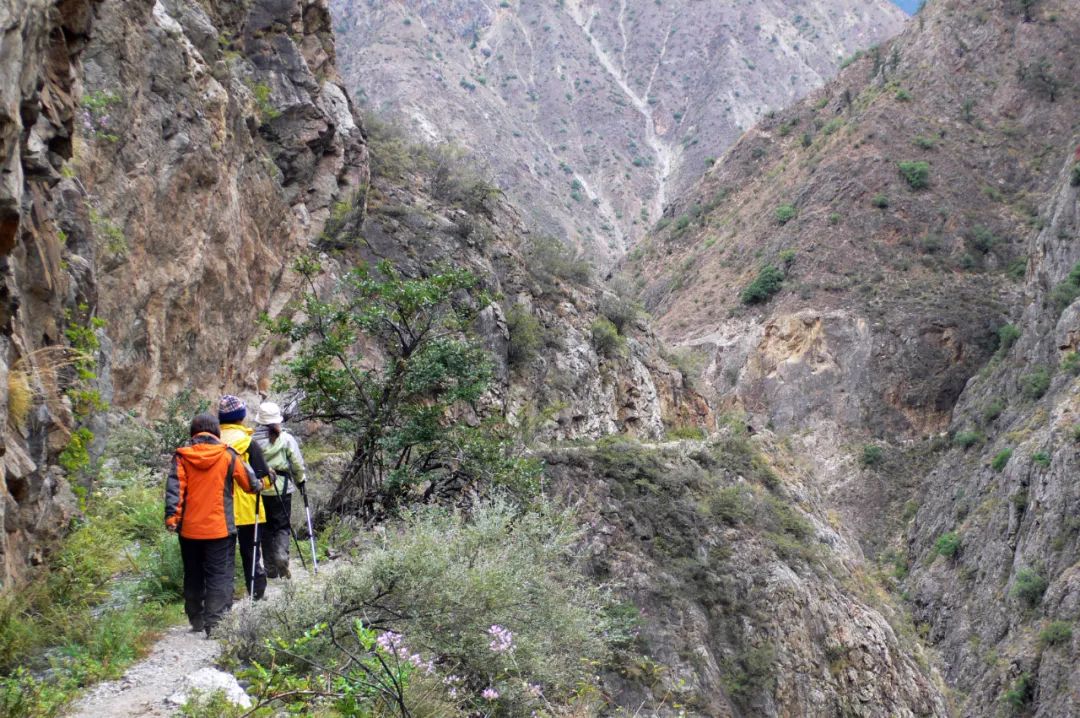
<point x="284" y="457"/>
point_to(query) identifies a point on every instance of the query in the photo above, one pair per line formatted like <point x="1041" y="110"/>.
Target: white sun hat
<point x="268" y="413"/>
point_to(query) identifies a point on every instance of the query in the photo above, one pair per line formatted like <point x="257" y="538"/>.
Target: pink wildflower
<point x="489" y="694"/>
<point x="392" y="643"/>
<point x="502" y="640"/>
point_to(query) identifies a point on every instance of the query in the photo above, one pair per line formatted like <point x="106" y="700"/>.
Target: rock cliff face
<point x="214" y="141"/>
<point x="1011" y="501"/>
<point x="594" y="114"/>
<point x="163" y="163"/>
<point x="41" y="44"/>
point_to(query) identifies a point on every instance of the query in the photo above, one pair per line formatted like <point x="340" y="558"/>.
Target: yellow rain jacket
<point x="238" y="437"/>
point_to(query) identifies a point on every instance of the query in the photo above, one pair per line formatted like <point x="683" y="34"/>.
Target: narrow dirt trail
<point x="144" y="689"/>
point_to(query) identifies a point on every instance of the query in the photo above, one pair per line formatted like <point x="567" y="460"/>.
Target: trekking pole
<point x="281" y="497"/>
<point x="255" y="546"/>
<point x="310" y="531"/>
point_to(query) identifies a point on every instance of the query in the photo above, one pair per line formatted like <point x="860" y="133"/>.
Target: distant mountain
<point x="593" y="113"/>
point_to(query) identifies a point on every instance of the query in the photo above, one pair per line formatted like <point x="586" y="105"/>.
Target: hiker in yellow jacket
<point x="231" y="413"/>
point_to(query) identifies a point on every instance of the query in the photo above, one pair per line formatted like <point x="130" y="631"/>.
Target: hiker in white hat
<point x="282" y="453"/>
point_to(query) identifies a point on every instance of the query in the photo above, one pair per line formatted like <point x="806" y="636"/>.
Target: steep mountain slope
<point x="908" y="212"/>
<point x="752" y="603"/>
<point x="892" y="285"/>
<point x="1003" y="606"/>
<point x="594" y="114"/>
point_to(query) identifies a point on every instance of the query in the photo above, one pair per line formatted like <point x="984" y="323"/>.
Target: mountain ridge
<point x="604" y="96"/>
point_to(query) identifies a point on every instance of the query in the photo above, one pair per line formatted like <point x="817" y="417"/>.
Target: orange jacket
<point x="199" y="489"/>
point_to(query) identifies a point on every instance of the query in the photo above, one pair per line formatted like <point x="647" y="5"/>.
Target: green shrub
<point x="1035" y="384"/>
<point x="903" y="95"/>
<point x="785" y="213"/>
<point x="549" y="260"/>
<point x="925" y="143"/>
<point x="1074" y="432"/>
<point x="1041" y="458"/>
<point x="872" y="455"/>
<point x="1068" y="290"/>
<point x="1007" y="336"/>
<point x="733" y="505"/>
<point x="1001" y="459"/>
<point x="982" y="239"/>
<point x="767" y="283"/>
<point x="880" y="201"/>
<point x="606" y="338"/>
<point x="620" y="311"/>
<point x="1029" y="587"/>
<point x="1017" y="268"/>
<point x="443" y="581"/>
<point x="1074" y="176"/>
<point x="1020" y="694"/>
<point x="1058" y="633"/>
<point x="685" y="432"/>
<point x="1071" y="363"/>
<point x="917" y="173"/>
<point x="994" y="409"/>
<point x="91" y="609"/>
<point x="967" y="439"/>
<point x="948" y="544"/>
<point x="526" y="335"/>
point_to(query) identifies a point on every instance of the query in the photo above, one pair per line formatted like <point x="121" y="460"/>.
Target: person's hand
<point x="171" y="528"/>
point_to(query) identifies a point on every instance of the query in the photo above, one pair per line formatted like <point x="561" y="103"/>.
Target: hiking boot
<point x="286" y="573"/>
<point x="196" y="625"/>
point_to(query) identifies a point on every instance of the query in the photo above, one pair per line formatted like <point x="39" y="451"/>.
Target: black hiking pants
<point x="276" y="545"/>
<point x="208" y="579"/>
<point x="252" y="559"/>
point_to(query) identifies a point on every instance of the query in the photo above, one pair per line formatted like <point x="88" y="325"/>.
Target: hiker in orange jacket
<point x="199" y="507"/>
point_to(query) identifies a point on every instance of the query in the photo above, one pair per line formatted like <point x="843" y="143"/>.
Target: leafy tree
<point x="387" y="359"/>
